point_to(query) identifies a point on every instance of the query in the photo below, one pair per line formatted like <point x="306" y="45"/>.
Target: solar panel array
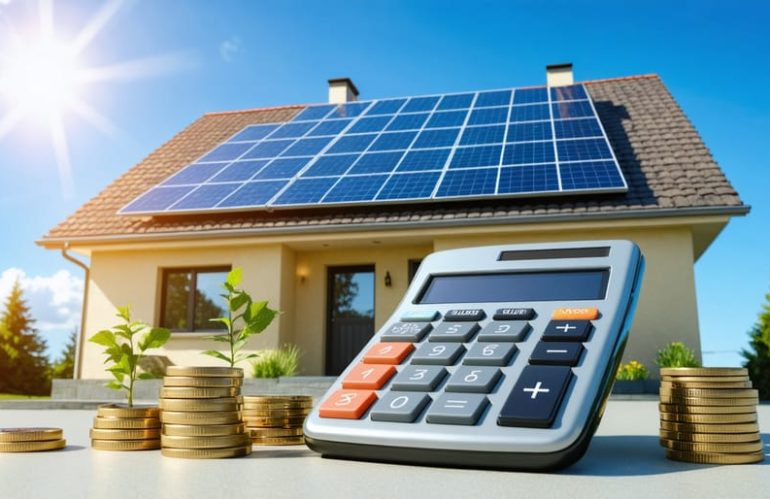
<point x="506" y="143"/>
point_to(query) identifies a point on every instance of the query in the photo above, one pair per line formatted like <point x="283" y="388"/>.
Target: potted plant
<point x="676" y="354"/>
<point x="631" y="378"/>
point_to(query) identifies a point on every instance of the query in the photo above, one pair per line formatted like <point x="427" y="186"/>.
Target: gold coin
<point x="706" y="409"/>
<point x="201" y="382"/>
<point x="274" y="422"/>
<point x="101" y="434"/>
<point x="275" y="432"/>
<point x="288" y="399"/>
<point x="732" y="448"/>
<point x="715" y="458"/>
<point x="206" y="453"/>
<point x="206" y="430"/>
<point x="709" y="392"/>
<point x="710" y="437"/>
<point x="43" y="445"/>
<point x="204" y="418"/>
<point x="705" y="379"/>
<point x="123" y="411"/>
<point x="201" y="405"/>
<point x="126" y="445"/>
<point x="709" y="428"/>
<point x="280" y="406"/>
<point x="205" y="372"/>
<point x="283" y="413"/>
<point x="709" y="418"/>
<point x="9" y="435"/>
<point x="126" y="423"/>
<point x="278" y="441"/>
<point x="221" y="442"/>
<point x="703" y="371"/>
<point x="707" y="401"/>
<point x="178" y="392"/>
<point x="669" y="385"/>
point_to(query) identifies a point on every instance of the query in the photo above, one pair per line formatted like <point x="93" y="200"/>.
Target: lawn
<point x="14" y="396"/>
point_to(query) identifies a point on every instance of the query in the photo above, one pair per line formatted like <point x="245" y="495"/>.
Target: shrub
<point x="676" y="354"/>
<point x="276" y="363"/>
<point x="633" y="371"/>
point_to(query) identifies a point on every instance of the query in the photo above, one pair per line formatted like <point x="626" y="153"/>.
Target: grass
<point x="15" y="396"/>
<point x="276" y="363"/>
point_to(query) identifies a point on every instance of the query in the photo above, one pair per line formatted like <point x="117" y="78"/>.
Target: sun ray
<point x="95" y="25"/>
<point x="62" y="156"/>
<point x="138" y="68"/>
<point x="96" y="119"/>
<point x="45" y="12"/>
<point x="9" y="121"/>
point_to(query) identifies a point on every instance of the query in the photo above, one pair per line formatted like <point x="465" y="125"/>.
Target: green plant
<point x="633" y="371"/>
<point x="245" y="318"/>
<point x="757" y="354"/>
<point x="121" y="350"/>
<point x="275" y="363"/>
<point x="676" y="354"/>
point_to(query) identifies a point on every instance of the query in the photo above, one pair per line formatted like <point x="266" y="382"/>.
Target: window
<point x="413" y="266"/>
<point x="190" y="297"/>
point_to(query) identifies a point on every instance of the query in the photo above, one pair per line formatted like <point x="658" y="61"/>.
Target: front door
<point x="349" y="315"/>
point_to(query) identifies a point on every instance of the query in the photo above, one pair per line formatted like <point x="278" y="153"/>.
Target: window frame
<point x="191" y="295"/>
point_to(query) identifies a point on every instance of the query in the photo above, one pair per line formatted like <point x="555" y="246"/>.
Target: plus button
<point x="535" y="390"/>
<point x="566" y="328"/>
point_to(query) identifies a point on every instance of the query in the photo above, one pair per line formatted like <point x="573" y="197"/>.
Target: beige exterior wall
<point x="290" y="272"/>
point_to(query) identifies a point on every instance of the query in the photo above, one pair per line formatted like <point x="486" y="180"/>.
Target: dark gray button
<point x="399" y="407"/>
<point x="556" y="354"/>
<point x="450" y="331"/>
<point x="489" y="354"/>
<point x="419" y="378"/>
<point x="457" y="408"/>
<point x="473" y="379"/>
<point x="535" y="400"/>
<point x="438" y="354"/>
<point x="505" y="331"/>
<point x="420" y="316"/>
<point x="470" y="314"/>
<point x="406" y="331"/>
<point x="514" y="314"/>
<point x="567" y="331"/>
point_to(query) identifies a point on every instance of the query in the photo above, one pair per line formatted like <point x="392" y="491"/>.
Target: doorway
<point x="349" y="314"/>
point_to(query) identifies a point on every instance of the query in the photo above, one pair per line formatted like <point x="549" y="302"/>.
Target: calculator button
<point x="458" y="332"/>
<point x="575" y="314"/>
<point x="567" y="331"/>
<point x="420" y="316"/>
<point x="514" y="314"/>
<point x="347" y="404"/>
<point x="534" y="401"/>
<point x="470" y="314"/>
<point x="556" y="354"/>
<point x="457" y="408"/>
<point x="504" y="331"/>
<point x="473" y="379"/>
<point x="437" y="354"/>
<point x="399" y="407"/>
<point x="490" y="354"/>
<point x="388" y="353"/>
<point x="406" y="331"/>
<point x="368" y="376"/>
<point x="419" y="378"/>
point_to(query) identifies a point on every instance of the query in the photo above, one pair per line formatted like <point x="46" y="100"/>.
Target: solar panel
<point x="504" y="143"/>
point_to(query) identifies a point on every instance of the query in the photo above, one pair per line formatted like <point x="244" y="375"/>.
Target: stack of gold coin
<point x="201" y="413"/>
<point x="276" y="419"/>
<point x="122" y="428"/>
<point x="31" y="439"/>
<point x="709" y="415"/>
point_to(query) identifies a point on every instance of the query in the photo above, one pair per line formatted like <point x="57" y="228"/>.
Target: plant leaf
<point x="116" y="385"/>
<point x="147" y="376"/>
<point x="261" y="320"/>
<point x="234" y="277"/>
<point x="218" y="337"/>
<point x="124" y="313"/>
<point x="218" y="355"/>
<point x="155" y="338"/>
<point x="223" y="320"/>
<point x="124" y="331"/>
<point x="104" y="337"/>
<point x="239" y="300"/>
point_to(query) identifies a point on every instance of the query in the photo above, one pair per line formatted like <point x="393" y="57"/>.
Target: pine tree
<point x="758" y="359"/>
<point x="64" y="367"/>
<point x="27" y="371"/>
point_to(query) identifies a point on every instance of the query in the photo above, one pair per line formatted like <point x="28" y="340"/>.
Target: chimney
<point x="558" y="75"/>
<point x="342" y="90"/>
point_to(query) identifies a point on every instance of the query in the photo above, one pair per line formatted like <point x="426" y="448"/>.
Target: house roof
<point x="669" y="171"/>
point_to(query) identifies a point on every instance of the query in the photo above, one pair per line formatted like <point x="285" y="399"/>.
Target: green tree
<point x="27" y="370"/>
<point x="758" y="357"/>
<point x="64" y="367"/>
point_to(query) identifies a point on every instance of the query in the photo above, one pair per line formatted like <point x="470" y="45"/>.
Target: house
<point x="338" y="272"/>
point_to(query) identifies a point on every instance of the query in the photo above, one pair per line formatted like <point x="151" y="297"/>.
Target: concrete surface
<point x="624" y="460"/>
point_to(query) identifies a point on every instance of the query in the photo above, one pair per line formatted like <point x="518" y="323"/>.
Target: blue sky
<point x="208" y="56"/>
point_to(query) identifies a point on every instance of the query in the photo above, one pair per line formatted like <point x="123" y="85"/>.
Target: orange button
<point x="583" y="314"/>
<point x="388" y="353"/>
<point x="368" y="376"/>
<point x="347" y="404"/>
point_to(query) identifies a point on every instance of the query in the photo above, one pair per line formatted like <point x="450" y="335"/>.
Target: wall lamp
<point x="388" y="280"/>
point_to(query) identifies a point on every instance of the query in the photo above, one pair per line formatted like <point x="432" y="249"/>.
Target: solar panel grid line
<point x="505" y="136"/>
<point x="553" y="139"/>
<point x="606" y="138"/>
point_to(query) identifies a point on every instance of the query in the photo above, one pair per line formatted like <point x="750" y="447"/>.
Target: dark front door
<point x="349" y="315"/>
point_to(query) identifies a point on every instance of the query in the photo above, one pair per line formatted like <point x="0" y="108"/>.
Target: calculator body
<point x="497" y="357"/>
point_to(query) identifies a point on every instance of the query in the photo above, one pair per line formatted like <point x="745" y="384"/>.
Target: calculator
<point x="497" y="357"/>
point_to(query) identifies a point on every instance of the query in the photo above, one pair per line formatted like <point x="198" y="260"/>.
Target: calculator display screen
<point x="519" y="286"/>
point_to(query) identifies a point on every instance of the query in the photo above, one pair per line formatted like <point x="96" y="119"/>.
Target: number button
<point x="365" y="376"/>
<point x="473" y="379"/>
<point x="567" y="331"/>
<point x="406" y="331"/>
<point x="400" y="407"/>
<point x="490" y="354"/>
<point x="347" y="404"/>
<point x="460" y="333"/>
<point x="388" y="353"/>
<point x="419" y="378"/>
<point x="505" y="331"/>
<point x="438" y="354"/>
<point x="457" y="408"/>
